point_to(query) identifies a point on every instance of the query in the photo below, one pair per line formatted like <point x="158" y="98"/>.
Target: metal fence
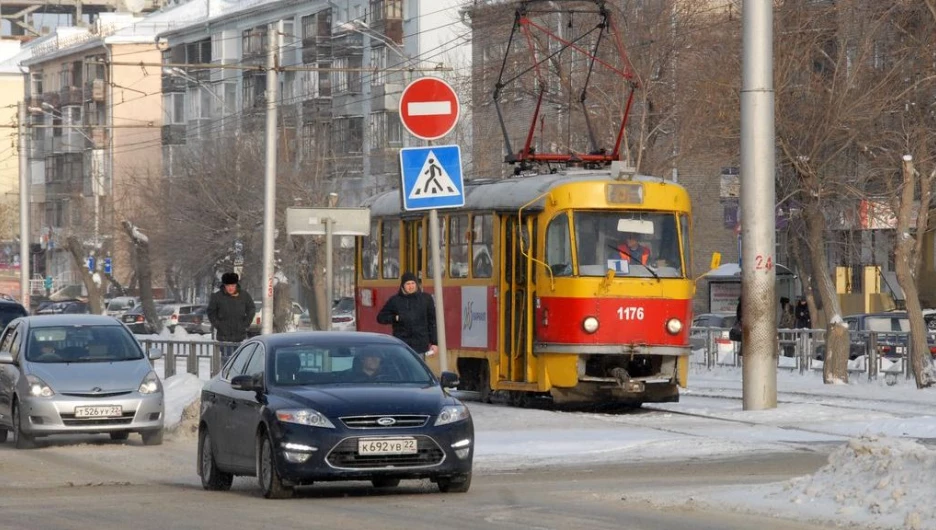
<point x="802" y="350"/>
<point x="201" y="358"/>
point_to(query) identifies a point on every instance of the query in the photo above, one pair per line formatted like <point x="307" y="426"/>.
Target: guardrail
<point x="803" y="350"/>
<point x="201" y="358"/>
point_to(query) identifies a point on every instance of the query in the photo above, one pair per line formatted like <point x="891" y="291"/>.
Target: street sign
<point x="429" y="108"/>
<point x="107" y="266"/>
<point x="344" y="221"/>
<point x="432" y="177"/>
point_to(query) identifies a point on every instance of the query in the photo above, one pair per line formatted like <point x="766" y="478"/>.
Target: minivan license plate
<point x="106" y="411"/>
<point x="387" y="446"/>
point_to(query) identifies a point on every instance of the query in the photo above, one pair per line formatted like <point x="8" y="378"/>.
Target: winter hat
<point x="229" y="278"/>
<point x="408" y="277"/>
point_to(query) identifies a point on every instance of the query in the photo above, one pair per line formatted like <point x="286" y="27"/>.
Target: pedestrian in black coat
<point x="231" y="309"/>
<point x="411" y="312"/>
<point x="801" y="313"/>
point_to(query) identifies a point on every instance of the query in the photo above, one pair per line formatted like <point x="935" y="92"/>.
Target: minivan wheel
<point x="270" y="482"/>
<point x="212" y="478"/>
<point x="22" y="440"/>
<point x="455" y="484"/>
<point x="152" y="437"/>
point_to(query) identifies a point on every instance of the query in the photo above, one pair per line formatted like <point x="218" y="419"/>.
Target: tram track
<point x="790" y="397"/>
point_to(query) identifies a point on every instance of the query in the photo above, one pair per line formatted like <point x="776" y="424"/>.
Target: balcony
<point x="71" y="96"/>
<point x="349" y="44"/>
<point x="95" y="90"/>
<point x="173" y="83"/>
<point x="386" y="97"/>
<point x="173" y="134"/>
<point x="52" y="98"/>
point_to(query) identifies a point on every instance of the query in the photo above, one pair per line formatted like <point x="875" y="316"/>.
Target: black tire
<point x="20" y="440"/>
<point x="119" y="436"/>
<point x="455" y="484"/>
<point x="385" y="482"/>
<point x="152" y="437"/>
<point x="212" y="478"/>
<point x="484" y="383"/>
<point x="267" y="476"/>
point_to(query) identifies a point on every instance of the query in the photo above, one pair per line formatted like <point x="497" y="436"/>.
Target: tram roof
<point x="507" y="194"/>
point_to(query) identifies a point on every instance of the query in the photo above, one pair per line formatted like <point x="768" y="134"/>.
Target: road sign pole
<point x="434" y="243"/>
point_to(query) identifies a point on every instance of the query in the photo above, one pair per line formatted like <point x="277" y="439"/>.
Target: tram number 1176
<point x="630" y="313"/>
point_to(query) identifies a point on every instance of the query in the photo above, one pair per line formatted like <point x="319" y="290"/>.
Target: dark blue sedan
<point x="295" y="408"/>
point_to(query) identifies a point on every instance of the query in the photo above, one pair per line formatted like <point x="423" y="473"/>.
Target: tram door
<point x="513" y="302"/>
<point x="413" y="254"/>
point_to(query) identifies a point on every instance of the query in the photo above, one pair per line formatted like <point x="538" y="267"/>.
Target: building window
<point x="174" y="105"/>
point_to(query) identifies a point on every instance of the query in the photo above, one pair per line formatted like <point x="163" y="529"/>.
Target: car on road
<point x="119" y="305"/>
<point x="171" y="313"/>
<point x="136" y="322"/>
<point x="343" y="314"/>
<point x="699" y="333"/>
<point x="10" y="310"/>
<point x="293" y="408"/>
<point x="891" y="329"/>
<point x="66" y="374"/>
<point x="64" y="307"/>
<point x="196" y="321"/>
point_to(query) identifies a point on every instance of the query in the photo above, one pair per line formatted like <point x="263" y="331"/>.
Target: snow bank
<point x="183" y="400"/>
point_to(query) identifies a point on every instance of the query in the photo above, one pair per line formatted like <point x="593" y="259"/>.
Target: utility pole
<point x="269" y="187"/>
<point x="24" y="207"/>
<point x="758" y="206"/>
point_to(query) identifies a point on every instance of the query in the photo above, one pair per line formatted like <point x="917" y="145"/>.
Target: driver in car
<point x="366" y="366"/>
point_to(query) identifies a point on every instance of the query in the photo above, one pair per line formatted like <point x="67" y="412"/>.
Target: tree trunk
<point x="835" y="363"/>
<point x="907" y="262"/>
<point x="95" y="292"/>
<point x="144" y="275"/>
<point x="282" y="309"/>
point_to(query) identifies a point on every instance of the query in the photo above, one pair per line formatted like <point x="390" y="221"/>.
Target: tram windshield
<point x="632" y="244"/>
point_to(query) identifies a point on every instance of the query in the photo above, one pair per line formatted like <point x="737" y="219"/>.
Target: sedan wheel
<point x="455" y="484"/>
<point x="22" y="441"/>
<point x="270" y="481"/>
<point x="212" y="478"/>
<point x="385" y="482"/>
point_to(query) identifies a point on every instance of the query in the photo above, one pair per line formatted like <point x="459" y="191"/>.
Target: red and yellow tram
<point x="542" y="295"/>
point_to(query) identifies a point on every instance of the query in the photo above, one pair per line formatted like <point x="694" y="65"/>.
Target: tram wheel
<point x="484" y="382"/>
<point x="518" y="399"/>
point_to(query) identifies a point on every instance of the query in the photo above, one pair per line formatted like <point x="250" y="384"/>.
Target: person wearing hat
<point x="230" y="310"/>
<point x="411" y="312"/>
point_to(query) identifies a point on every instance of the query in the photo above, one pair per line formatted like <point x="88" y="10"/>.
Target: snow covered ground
<point x="882" y="438"/>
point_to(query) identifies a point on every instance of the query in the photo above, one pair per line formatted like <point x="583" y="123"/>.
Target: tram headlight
<point x="590" y="324"/>
<point x="673" y="326"/>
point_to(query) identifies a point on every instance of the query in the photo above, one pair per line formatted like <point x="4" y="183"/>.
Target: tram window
<point x="602" y="245"/>
<point x="684" y="230"/>
<point x="559" y="246"/>
<point x="370" y="253"/>
<point x="458" y="246"/>
<point x="442" y="240"/>
<point x="390" y="249"/>
<point x="482" y="262"/>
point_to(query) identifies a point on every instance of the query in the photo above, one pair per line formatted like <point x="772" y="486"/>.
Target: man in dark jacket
<point x="230" y="310"/>
<point x="411" y="312"/>
<point x="801" y="313"/>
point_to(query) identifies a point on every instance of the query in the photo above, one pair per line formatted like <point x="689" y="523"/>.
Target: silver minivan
<point x="67" y="374"/>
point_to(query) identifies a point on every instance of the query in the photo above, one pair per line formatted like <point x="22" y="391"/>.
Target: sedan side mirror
<point x="246" y="382"/>
<point x="154" y="353"/>
<point x="449" y="379"/>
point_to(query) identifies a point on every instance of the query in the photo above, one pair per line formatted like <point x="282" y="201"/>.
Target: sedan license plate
<point x="106" y="411"/>
<point x="387" y="446"/>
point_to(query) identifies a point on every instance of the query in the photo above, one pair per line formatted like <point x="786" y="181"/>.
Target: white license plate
<point x="107" y="411"/>
<point x="387" y="446"/>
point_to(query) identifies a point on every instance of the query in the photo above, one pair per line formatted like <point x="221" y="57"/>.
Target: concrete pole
<point x="329" y="271"/>
<point x="434" y="244"/>
<point x="24" y="207"/>
<point x="269" y="187"/>
<point x="758" y="199"/>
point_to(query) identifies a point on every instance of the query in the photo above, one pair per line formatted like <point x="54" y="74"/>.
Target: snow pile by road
<point x="183" y="399"/>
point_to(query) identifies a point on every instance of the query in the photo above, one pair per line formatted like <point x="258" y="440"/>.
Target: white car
<point x="343" y="315"/>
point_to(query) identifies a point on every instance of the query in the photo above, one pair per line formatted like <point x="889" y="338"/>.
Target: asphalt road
<point x="71" y="484"/>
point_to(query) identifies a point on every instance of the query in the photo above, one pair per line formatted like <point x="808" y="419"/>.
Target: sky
<point x="879" y="474"/>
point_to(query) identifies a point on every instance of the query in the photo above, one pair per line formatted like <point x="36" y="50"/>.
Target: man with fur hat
<point x="230" y="310"/>
<point x="411" y="312"/>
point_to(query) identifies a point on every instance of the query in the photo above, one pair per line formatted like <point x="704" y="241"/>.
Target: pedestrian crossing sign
<point x="432" y="177"/>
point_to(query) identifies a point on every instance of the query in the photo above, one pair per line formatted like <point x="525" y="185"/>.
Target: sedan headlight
<point x="38" y="387"/>
<point x="310" y="417"/>
<point x="150" y="384"/>
<point x="451" y="414"/>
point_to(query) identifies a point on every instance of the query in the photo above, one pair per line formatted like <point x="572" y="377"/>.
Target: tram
<point x="544" y="295"/>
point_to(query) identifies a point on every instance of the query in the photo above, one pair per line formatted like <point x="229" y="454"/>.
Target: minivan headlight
<point x="452" y="414"/>
<point x="38" y="387"/>
<point x="150" y="384"/>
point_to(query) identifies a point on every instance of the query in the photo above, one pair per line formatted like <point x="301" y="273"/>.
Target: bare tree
<point x="144" y="272"/>
<point x="92" y="281"/>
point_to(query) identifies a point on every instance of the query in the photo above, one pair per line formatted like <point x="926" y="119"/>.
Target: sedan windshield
<point x="296" y="365"/>
<point x="81" y="344"/>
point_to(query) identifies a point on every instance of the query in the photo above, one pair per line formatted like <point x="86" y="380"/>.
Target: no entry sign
<point x="429" y="108"/>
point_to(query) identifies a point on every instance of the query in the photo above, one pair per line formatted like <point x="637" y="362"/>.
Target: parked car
<point x="10" y="310"/>
<point x="77" y="374"/>
<point x="343" y="314"/>
<point x="699" y="334"/>
<point x="289" y="409"/>
<point x="256" y="325"/>
<point x="136" y="321"/>
<point x="64" y="307"/>
<point x="171" y="312"/>
<point x="119" y="305"/>
<point x="196" y="321"/>
<point x="892" y="334"/>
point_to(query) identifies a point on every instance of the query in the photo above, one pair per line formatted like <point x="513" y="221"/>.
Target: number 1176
<point x="630" y="313"/>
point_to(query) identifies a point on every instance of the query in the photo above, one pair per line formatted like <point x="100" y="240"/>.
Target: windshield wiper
<point x="632" y="260"/>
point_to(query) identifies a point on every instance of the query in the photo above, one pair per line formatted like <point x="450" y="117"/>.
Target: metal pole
<point x="758" y="199"/>
<point x="24" y="208"/>
<point x="437" y="286"/>
<point x="329" y="271"/>
<point x="269" y="188"/>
